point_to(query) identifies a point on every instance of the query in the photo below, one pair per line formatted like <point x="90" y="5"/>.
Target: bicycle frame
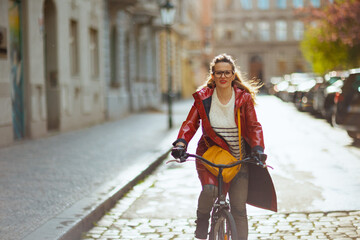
<point x="221" y="197"/>
<point x="221" y="210"/>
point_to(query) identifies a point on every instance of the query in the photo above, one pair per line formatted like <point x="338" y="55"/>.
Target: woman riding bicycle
<point x="216" y="105"/>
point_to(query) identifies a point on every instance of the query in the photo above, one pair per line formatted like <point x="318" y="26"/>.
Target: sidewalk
<point x="56" y="187"/>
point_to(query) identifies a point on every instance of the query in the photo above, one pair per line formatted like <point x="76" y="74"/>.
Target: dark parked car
<point x="347" y="105"/>
<point x="281" y="87"/>
<point x="323" y="99"/>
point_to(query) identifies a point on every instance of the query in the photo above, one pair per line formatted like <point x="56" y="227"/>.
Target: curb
<point x="81" y="216"/>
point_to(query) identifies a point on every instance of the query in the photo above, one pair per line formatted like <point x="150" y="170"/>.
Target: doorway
<point x="128" y="74"/>
<point x="257" y="69"/>
<point x="51" y="66"/>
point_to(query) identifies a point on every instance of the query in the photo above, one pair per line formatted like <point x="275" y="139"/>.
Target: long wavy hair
<point x="251" y="86"/>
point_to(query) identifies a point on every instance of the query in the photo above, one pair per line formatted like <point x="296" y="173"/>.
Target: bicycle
<point x="222" y="222"/>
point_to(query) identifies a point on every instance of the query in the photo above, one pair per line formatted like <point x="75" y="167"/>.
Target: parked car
<point x="272" y="86"/>
<point x="300" y="82"/>
<point x="347" y="105"/>
<point x="286" y="89"/>
<point x="281" y="88"/>
<point x="304" y="95"/>
<point x="323" y="101"/>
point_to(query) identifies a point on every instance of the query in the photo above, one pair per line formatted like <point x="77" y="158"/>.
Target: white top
<point x="222" y="120"/>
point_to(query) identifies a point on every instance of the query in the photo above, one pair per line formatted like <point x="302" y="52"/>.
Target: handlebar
<point x="247" y="159"/>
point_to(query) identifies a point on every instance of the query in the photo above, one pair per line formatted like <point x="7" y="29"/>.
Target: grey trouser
<point x="237" y="194"/>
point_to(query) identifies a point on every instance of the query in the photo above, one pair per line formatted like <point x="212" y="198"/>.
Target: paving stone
<point x="105" y="223"/>
<point x="315" y="214"/>
<point x="355" y="213"/>
<point x="337" y="214"/>
<point x="98" y="230"/>
<point x="265" y="229"/>
<point x="111" y="232"/>
<point x="302" y="233"/>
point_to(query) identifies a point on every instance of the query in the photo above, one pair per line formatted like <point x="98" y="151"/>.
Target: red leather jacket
<point x="261" y="190"/>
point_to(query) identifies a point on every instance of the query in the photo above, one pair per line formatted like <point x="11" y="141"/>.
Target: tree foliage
<point x="332" y="37"/>
<point x="324" y="56"/>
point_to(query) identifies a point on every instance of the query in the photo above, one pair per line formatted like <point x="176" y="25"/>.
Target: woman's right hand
<point x="178" y="151"/>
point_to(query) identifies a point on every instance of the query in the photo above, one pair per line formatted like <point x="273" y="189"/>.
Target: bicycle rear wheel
<point x="224" y="228"/>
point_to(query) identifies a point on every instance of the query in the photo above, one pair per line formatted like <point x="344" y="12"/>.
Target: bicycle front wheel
<point x="224" y="228"/>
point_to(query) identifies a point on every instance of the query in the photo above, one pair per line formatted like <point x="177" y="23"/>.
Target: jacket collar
<point x="207" y="92"/>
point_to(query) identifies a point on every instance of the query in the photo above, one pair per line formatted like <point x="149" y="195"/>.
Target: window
<point x="298" y="30"/>
<point x="113" y="58"/>
<point x="94" y="53"/>
<point x="281" y="4"/>
<point x="263" y="4"/>
<point x="228" y="4"/>
<point x="315" y="3"/>
<point x="264" y="31"/>
<point x="219" y="32"/>
<point x="229" y="35"/>
<point x="74" y="48"/>
<point x="281" y="30"/>
<point x="281" y="67"/>
<point x="246" y="4"/>
<point x="247" y="30"/>
<point x="298" y="3"/>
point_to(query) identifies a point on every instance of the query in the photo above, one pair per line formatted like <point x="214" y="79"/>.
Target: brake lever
<point x="264" y="165"/>
<point x="172" y="160"/>
<point x="261" y="164"/>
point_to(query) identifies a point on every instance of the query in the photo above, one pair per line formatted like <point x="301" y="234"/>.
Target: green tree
<point x="332" y="37"/>
<point x="324" y="56"/>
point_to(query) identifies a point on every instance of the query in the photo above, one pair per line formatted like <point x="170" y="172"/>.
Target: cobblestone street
<point x="131" y="218"/>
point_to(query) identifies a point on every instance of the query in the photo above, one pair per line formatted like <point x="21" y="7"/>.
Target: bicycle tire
<point x="224" y="228"/>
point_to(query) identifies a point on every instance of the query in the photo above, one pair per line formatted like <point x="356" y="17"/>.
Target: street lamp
<point x="167" y="12"/>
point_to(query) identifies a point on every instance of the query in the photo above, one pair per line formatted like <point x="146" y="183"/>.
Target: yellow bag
<point x="219" y="155"/>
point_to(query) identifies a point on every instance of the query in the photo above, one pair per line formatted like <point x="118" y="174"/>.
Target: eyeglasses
<point x="227" y="73"/>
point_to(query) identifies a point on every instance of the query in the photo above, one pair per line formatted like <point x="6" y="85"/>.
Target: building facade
<point x="263" y="35"/>
<point x="51" y="70"/>
<point x="137" y="50"/>
<point x="186" y="49"/>
<point x="131" y="52"/>
<point x="68" y="64"/>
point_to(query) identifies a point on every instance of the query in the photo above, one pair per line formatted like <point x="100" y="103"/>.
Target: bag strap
<point x="206" y="142"/>
<point x="239" y="129"/>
